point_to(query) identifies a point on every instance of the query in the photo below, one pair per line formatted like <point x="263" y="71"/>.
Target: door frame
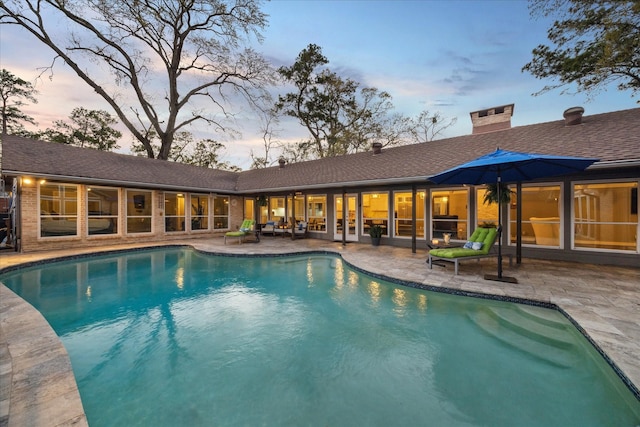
<point x="349" y="237"/>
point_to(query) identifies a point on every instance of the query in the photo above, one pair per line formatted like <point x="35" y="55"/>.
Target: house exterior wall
<point x="30" y="240"/>
<point x="29" y="223"/>
<point x="564" y="253"/>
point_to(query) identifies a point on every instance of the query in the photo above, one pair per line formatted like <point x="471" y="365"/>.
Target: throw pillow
<point x="468" y="245"/>
<point x="476" y="246"/>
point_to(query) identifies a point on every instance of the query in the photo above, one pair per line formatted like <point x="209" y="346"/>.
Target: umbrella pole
<point x="500" y="277"/>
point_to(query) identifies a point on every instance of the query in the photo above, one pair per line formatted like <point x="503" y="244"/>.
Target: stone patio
<point x="37" y="387"/>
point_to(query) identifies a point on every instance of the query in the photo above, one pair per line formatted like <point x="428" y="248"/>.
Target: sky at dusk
<point x="451" y="57"/>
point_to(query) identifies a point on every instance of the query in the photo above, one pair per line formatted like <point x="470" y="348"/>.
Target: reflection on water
<point x="169" y="335"/>
<point x="375" y="290"/>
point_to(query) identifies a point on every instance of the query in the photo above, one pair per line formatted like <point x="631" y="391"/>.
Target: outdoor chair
<point x="300" y="229"/>
<point x="269" y="228"/>
<point x="479" y="246"/>
<point x="246" y="229"/>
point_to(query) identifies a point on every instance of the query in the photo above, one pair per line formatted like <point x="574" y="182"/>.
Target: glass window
<point x="138" y="211"/>
<point x="263" y="209"/>
<point x="299" y="207"/>
<point x="317" y="212"/>
<point x="221" y="212"/>
<point x="485" y="214"/>
<point x="199" y="212"/>
<point x="449" y="213"/>
<point x="58" y="210"/>
<point x="605" y="216"/>
<point x="276" y="205"/>
<point x="540" y="215"/>
<point x="375" y="211"/>
<point x="403" y="214"/>
<point x="174" y="213"/>
<point x="103" y="205"/>
<point x="249" y="208"/>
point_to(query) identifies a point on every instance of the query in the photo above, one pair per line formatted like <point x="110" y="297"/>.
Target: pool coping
<point x="55" y="368"/>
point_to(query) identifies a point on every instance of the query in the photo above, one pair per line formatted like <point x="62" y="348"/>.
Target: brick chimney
<point x="492" y="119"/>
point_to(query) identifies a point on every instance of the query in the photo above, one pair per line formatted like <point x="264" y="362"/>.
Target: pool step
<point x="536" y="328"/>
<point x="543" y="315"/>
<point x="530" y="331"/>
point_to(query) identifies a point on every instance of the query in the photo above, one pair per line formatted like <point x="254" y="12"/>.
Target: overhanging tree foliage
<point x="596" y="42"/>
<point x="341" y="118"/>
<point x="174" y="63"/>
<point x="204" y="153"/>
<point x="14" y="91"/>
<point x="88" y="128"/>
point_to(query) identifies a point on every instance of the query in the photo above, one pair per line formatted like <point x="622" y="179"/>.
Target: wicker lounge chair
<point x="485" y="236"/>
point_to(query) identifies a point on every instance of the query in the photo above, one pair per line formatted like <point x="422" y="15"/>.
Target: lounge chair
<point x="301" y="229"/>
<point x="484" y="236"/>
<point x="246" y="229"/>
<point x="269" y="228"/>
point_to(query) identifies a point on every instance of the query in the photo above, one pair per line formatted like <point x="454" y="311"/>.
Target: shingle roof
<point x="611" y="137"/>
<point x="28" y="156"/>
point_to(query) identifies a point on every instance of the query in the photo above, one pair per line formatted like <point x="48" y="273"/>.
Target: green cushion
<point x="247" y="225"/>
<point x="485" y="235"/>
<point x="235" y="233"/>
<point x="454" y="252"/>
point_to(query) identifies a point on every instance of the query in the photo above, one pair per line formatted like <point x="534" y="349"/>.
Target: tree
<point x="88" y="128"/>
<point x="268" y="123"/>
<point x="14" y="92"/>
<point x="596" y="43"/>
<point x="204" y="153"/>
<point x="340" y="117"/>
<point x="164" y="55"/>
<point x="427" y="126"/>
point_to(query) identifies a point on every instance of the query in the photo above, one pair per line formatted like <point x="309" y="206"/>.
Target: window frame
<point x="574" y="223"/>
<point x="512" y="219"/>
<point x="115" y="219"/>
<point x="318" y="227"/>
<point x="366" y="222"/>
<point x="128" y="217"/>
<point x="224" y="216"/>
<point x="464" y="222"/>
<point x="409" y="219"/>
<point x="206" y="215"/>
<point x="58" y="216"/>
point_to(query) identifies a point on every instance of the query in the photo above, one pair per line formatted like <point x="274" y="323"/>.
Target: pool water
<point x="175" y="337"/>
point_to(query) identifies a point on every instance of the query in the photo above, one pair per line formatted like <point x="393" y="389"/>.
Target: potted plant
<point x="488" y="224"/>
<point x="261" y="200"/>
<point x="375" y="232"/>
<point x="491" y="196"/>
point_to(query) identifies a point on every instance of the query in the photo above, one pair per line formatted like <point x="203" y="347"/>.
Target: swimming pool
<point x="174" y="336"/>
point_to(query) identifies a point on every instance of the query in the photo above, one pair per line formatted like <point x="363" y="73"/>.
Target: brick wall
<point x="31" y="241"/>
<point x="492" y="119"/>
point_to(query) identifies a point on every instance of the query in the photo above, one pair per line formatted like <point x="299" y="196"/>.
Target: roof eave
<point x="361" y="183"/>
<point x="605" y="164"/>
<point x="111" y="182"/>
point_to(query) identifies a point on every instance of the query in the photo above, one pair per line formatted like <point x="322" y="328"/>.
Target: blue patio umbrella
<point x="510" y="166"/>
